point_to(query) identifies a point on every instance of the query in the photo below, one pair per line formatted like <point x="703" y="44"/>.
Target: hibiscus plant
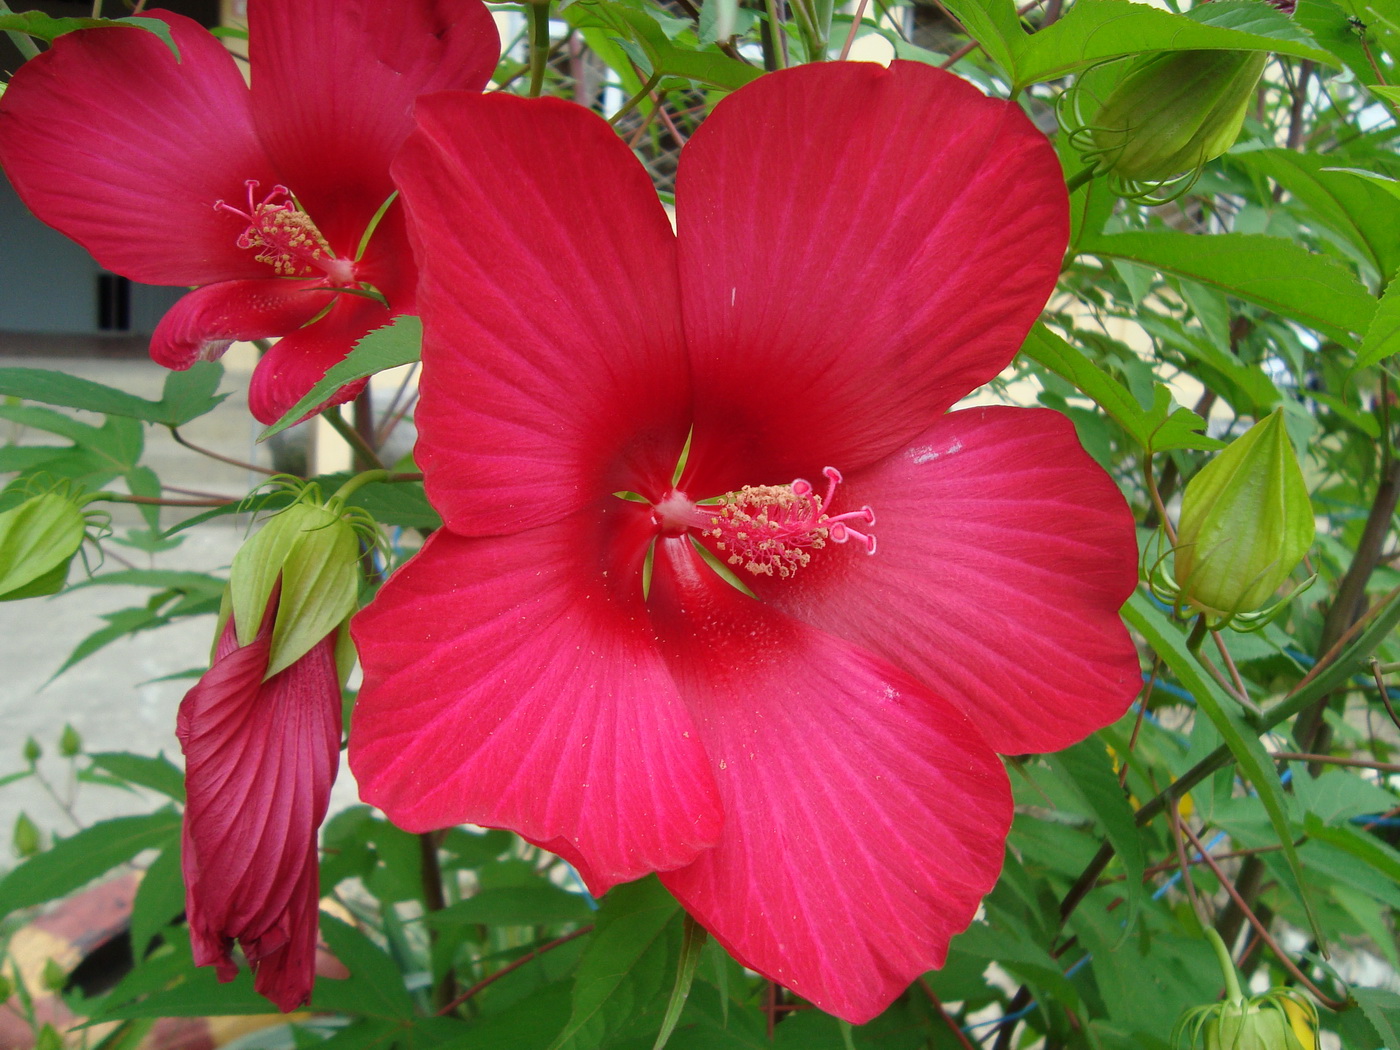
<point x="883" y="534"/>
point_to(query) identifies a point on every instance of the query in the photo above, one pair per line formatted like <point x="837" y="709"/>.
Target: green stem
<point x="358" y="482"/>
<point x="1198" y="635"/>
<point x="1227" y="967"/>
<point x="352" y="438"/>
<point x="636" y="100"/>
<point x="538" y="17"/>
<point x="1075" y="181"/>
<point x="774" y="52"/>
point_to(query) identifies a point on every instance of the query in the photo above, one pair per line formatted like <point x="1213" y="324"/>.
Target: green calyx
<point x="38" y="540"/>
<point x="1171" y="113"/>
<point x="313" y="548"/>
<point x="1246" y="522"/>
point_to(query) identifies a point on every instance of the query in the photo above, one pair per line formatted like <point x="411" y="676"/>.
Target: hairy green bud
<point x="1173" y="112"/>
<point x="1246" y="522"/>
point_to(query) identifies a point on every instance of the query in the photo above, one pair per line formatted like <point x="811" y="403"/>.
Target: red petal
<point x="553" y="363"/>
<point x="259" y="761"/>
<point x="512" y="682"/>
<point x="201" y="325"/>
<point x="864" y="818"/>
<point x="859" y="247"/>
<point x="1004" y="556"/>
<point x="333" y="89"/>
<point x="300" y="359"/>
<point x="107" y="139"/>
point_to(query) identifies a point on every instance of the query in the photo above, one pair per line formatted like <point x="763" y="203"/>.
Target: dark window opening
<point x="113" y="303"/>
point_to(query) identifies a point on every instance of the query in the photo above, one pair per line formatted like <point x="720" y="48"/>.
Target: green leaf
<point x="1269" y="271"/>
<point x="642" y="31"/>
<point x="1376" y="854"/>
<point x="375" y="986"/>
<point x="692" y="945"/>
<point x="159" y="898"/>
<point x="994" y="25"/>
<point x="1159" y="430"/>
<point x="155" y="772"/>
<point x="75" y="861"/>
<point x="1382" y="338"/>
<point x="1360" y="212"/>
<point x="514" y="906"/>
<point x="398" y="343"/>
<point x="191" y="393"/>
<point x="1382" y="1009"/>
<point x="1087" y="769"/>
<point x="43" y="27"/>
<point x="1093" y="31"/>
<point x="1254" y="762"/>
<point x="629" y="940"/>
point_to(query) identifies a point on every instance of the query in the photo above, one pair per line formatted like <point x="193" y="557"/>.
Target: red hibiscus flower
<point x="260" y="758"/>
<point x="267" y="199"/>
<point x="810" y="766"/>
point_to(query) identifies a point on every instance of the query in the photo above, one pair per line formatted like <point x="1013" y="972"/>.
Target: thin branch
<point x="181" y="440"/>
<point x="1385" y="694"/>
<point x="486" y="982"/>
<point x="953" y="1027"/>
<point x="1261" y="929"/>
<point x="1186" y="880"/>
<point x="1337" y="760"/>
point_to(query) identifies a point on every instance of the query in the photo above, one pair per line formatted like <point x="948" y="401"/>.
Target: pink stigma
<point x="774" y="528"/>
<point x="286" y="238"/>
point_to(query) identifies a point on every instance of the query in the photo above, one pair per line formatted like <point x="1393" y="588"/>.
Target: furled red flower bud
<point x="1246" y="522"/>
<point x="1172" y="112"/>
<point x="263" y="727"/>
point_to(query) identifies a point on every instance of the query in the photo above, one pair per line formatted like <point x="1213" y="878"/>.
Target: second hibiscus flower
<point x="810" y="758"/>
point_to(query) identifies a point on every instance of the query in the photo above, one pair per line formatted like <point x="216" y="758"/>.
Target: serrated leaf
<point x="514" y="906"/>
<point x="375" y="986"/>
<point x="398" y="343"/>
<point x="1087" y="769"/>
<point x="1382" y="338"/>
<point x="1158" y="430"/>
<point x="1254" y="762"/>
<point x="58" y="388"/>
<point x="1094" y="31"/>
<point x="192" y="393"/>
<point x="75" y="861"/>
<point x="1269" y="271"/>
<point x="44" y="27"/>
<point x="155" y="772"/>
<point x="160" y="898"/>
<point x="632" y="923"/>
<point x="1382" y="1009"/>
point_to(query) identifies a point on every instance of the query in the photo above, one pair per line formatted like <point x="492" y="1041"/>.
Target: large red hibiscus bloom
<point x="176" y="172"/>
<point x="812" y="765"/>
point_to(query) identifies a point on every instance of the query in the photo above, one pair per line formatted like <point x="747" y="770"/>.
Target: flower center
<point x="286" y="238"/>
<point x="767" y="529"/>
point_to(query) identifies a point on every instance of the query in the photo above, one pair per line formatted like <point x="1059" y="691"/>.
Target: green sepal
<point x="314" y="552"/>
<point x="38" y="540"/>
<point x="1246" y="522"/>
<point x="320" y="587"/>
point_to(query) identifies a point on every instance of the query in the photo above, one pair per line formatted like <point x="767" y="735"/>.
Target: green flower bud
<point x="1246" y="522"/>
<point x="38" y="540"/>
<point x="1249" y="1025"/>
<point x="70" y="744"/>
<point x="32" y="751"/>
<point x="1174" y="111"/>
<point x="312" y="549"/>
<point x="26" y="836"/>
